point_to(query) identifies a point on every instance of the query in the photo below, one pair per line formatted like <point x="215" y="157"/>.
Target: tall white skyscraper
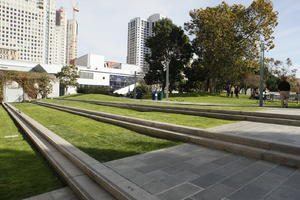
<point x="29" y="27"/>
<point x="139" y="30"/>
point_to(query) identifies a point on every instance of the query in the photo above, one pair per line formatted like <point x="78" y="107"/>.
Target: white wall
<point x="55" y="89"/>
<point x="99" y="79"/>
<point x="96" y="62"/>
<point x="91" y="61"/>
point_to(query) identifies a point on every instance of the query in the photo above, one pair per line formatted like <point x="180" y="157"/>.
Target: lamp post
<point x="261" y="78"/>
<point x="136" y="74"/>
<point x="134" y="90"/>
<point x="166" y="64"/>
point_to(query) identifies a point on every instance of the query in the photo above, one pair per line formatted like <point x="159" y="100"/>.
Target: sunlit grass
<point x="23" y="171"/>
<point x="187" y="120"/>
<point x="102" y="141"/>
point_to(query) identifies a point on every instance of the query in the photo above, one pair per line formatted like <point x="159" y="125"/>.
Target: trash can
<point x="154" y="96"/>
<point x="139" y="95"/>
<point x="160" y="95"/>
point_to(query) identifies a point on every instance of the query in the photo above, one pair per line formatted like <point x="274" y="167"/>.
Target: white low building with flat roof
<point x="94" y="71"/>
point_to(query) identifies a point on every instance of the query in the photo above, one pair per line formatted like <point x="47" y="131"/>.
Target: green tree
<point x="277" y="69"/>
<point x="44" y="85"/>
<point x="170" y="44"/>
<point x="68" y="77"/>
<point x="227" y="38"/>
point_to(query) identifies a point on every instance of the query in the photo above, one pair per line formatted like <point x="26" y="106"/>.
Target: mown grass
<point x="102" y="141"/>
<point x="186" y="120"/>
<point x="243" y="101"/>
<point x="23" y="171"/>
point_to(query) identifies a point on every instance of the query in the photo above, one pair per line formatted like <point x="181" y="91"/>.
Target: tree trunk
<point x="207" y="85"/>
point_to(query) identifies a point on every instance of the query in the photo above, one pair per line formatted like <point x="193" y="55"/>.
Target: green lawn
<point x="243" y="101"/>
<point x="187" y="120"/>
<point x="102" y="141"/>
<point x="23" y="171"/>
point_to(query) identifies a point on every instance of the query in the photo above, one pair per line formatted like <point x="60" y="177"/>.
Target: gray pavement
<point x="286" y="111"/>
<point x="191" y="172"/>
<point x="271" y="132"/>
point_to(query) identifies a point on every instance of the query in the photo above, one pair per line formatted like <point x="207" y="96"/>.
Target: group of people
<point x="284" y="88"/>
<point x="233" y="90"/>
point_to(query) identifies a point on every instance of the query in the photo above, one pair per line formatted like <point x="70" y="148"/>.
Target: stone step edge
<point x="244" y="140"/>
<point x="63" y="170"/>
<point x="118" y="186"/>
<point x="239" y="112"/>
<point x="257" y="153"/>
<point x="226" y="116"/>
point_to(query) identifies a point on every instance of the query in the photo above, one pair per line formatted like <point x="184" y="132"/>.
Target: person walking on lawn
<point x="284" y="89"/>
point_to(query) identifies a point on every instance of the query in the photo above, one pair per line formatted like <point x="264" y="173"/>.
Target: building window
<point x="86" y="75"/>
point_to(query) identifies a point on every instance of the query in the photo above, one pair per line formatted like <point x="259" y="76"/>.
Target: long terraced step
<point x="281" y="153"/>
<point x="88" y="178"/>
<point x="283" y="119"/>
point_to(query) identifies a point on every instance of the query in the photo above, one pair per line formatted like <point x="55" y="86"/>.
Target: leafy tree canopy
<point x="68" y="76"/>
<point x="227" y="38"/>
<point x="169" y="43"/>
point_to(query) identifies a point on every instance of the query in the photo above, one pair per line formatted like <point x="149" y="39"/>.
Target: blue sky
<point x="103" y="24"/>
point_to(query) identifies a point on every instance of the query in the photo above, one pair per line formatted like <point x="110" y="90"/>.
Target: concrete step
<point x="83" y="186"/>
<point x="90" y="170"/>
<point x="259" y="149"/>
<point x="284" y="119"/>
<point x="60" y="194"/>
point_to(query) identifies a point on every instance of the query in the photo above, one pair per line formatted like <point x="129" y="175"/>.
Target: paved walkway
<point x="287" y="111"/>
<point x="191" y="172"/>
<point x="272" y="132"/>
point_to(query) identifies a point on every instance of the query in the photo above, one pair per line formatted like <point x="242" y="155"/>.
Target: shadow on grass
<point x="105" y="155"/>
<point x="24" y="174"/>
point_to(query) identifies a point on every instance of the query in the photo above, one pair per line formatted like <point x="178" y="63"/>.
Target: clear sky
<point x="103" y="24"/>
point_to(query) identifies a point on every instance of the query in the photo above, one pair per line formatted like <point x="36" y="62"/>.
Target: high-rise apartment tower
<point x="30" y="28"/>
<point x="139" y="30"/>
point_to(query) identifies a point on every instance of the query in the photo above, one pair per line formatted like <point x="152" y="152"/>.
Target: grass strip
<point x="180" y="119"/>
<point x="242" y="101"/>
<point x="23" y="171"/>
<point x="102" y="141"/>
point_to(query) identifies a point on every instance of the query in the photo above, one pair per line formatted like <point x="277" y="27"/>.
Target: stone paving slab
<point x="271" y="132"/>
<point x="191" y="172"/>
<point x="60" y="194"/>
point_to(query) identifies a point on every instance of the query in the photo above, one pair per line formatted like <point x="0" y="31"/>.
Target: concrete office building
<point x="139" y="30"/>
<point x="30" y="28"/>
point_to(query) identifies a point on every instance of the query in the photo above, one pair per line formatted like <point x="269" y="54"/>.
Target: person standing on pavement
<point x="284" y="90"/>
